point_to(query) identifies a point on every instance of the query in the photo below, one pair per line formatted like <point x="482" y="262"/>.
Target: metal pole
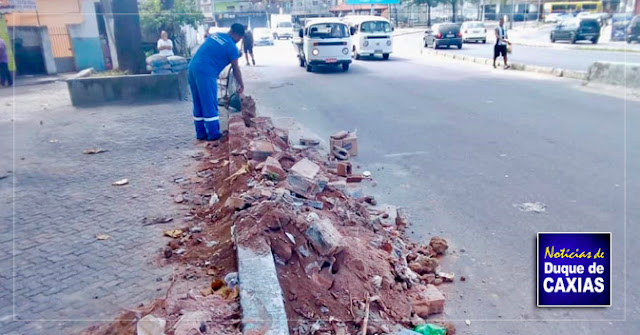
<point x="538" y="20"/>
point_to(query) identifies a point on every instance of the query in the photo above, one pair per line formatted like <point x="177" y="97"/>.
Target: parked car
<point x="443" y="34"/>
<point x="262" y="36"/>
<point x="577" y="29"/>
<point x="474" y="31"/>
<point x="633" y="30"/>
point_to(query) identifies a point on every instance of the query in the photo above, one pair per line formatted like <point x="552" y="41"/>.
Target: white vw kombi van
<point x="324" y="41"/>
<point x="371" y="35"/>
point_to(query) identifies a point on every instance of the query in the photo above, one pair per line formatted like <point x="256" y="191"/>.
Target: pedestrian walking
<point x="501" y="44"/>
<point x="6" y="78"/>
<point x="247" y="46"/>
<point x="218" y="51"/>
<point x="165" y="45"/>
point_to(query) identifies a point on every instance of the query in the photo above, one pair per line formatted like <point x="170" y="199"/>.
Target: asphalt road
<point x="571" y="59"/>
<point x="459" y="145"/>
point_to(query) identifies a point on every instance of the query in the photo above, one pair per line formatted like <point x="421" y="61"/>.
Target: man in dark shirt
<point x="218" y="51"/>
<point x="247" y="45"/>
<point x="5" y="74"/>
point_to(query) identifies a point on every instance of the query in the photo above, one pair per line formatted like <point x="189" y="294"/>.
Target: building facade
<point x="55" y="36"/>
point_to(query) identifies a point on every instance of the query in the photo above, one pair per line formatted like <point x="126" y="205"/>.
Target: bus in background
<point x="565" y="7"/>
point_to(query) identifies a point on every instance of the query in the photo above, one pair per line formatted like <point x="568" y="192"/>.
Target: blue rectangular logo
<point x="574" y="269"/>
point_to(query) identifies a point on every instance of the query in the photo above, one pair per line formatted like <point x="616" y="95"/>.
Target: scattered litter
<point x="180" y="251"/>
<point x="446" y="276"/>
<point x="366" y="174"/>
<point x="102" y="237"/>
<point x="308" y="141"/>
<point x="212" y="244"/>
<point x="195" y="230"/>
<point x="160" y="220"/>
<point x="231" y="279"/>
<point x="53" y="141"/>
<point x="174" y="233"/>
<point x="244" y="169"/>
<point x="151" y="325"/>
<point x="291" y="237"/>
<point x="178" y="199"/>
<point x="467" y="322"/>
<point x="536" y="207"/>
<point x="214" y="199"/>
<point x="92" y="150"/>
<point x="120" y="182"/>
<point x="430" y="329"/>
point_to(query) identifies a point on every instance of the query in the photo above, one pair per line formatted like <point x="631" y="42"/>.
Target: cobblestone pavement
<point x="65" y="278"/>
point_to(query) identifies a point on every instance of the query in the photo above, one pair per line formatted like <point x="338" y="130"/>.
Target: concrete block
<point x="261" y="296"/>
<point x="260" y="150"/>
<point x="580" y="75"/>
<point x="324" y="237"/>
<point x="557" y="72"/>
<point x="517" y="66"/>
<point x="305" y="168"/>
<point x="538" y="69"/>
<point x="615" y="73"/>
<point x="435" y="298"/>
<point x="96" y="91"/>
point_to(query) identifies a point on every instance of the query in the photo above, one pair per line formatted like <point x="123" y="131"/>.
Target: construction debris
<point x="342" y="261"/>
<point x="120" y="182"/>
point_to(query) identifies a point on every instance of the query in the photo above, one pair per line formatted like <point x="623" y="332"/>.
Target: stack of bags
<point x="177" y="63"/>
<point x="158" y="64"/>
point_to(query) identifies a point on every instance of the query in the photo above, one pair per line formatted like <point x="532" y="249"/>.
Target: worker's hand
<point x="240" y="89"/>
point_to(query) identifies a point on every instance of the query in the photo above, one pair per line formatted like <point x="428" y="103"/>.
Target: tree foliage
<point x="154" y="18"/>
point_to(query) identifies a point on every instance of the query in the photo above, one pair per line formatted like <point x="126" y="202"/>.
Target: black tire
<point x="301" y="61"/>
<point x="484" y="41"/>
<point x="426" y="45"/>
<point x="460" y="46"/>
<point x="385" y="56"/>
<point x="435" y="45"/>
<point x="628" y="41"/>
<point x="357" y="55"/>
<point x="309" y="68"/>
<point x="552" y="38"/>
<point x="573" y="39"/>
<point x="594" y="41"/>
<point x="345" y="67"/>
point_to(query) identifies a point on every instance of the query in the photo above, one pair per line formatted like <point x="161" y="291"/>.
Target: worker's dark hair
<point x="237" y="29"/>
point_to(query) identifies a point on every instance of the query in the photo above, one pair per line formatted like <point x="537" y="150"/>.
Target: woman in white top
<point x="165" y="46"/>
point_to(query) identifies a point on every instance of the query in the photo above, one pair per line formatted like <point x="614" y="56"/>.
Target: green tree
<point x="429" y="4"/>
<point x="159" y="15"/>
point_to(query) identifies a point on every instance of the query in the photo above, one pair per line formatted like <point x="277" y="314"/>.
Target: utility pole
<point x="127" y="36"/>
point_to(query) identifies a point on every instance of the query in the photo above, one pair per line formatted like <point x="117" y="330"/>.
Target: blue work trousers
<point x="204" y="90"/>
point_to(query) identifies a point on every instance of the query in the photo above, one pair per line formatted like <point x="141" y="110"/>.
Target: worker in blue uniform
<point x="218" y="51"/>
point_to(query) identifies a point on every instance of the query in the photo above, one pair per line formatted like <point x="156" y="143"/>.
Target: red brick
<point x="273" y="168"/>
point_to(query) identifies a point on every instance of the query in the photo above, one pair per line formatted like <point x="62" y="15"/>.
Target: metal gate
<point x="60" y="42"/>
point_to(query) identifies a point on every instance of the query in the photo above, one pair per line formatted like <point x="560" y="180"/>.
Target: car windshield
<point x="448" y="27"/>
<point x="328" y="30"/>
<point x="285" y="25"/>
<point x="375" y="27"/>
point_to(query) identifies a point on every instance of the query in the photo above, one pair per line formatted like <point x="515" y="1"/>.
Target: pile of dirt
<point x="343" y="261"/>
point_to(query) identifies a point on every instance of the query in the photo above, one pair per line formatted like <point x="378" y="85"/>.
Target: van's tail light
<point x="439" y="35"/>
<point x="460" y="34"/>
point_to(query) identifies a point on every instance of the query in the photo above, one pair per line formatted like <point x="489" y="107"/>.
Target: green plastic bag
<point x="430" y="329"/>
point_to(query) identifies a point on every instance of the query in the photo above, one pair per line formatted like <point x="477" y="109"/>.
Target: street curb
<point x="556" y="72"/>
<point x="261" y="297"/>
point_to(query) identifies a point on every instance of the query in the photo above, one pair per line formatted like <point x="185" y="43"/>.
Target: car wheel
<point x="572" y="38"/>
<point x="385" y="56"/>
<point x="594" y="41"/>
<point x="301" y="62"/>
<point x="435" y="45"/>
<point x="426" y="45"/>
<point x="484" y="41"/>
<point x="628" y="41"/>
<point x="460" y="46"/>
<point x="309" y="68"/>
<point x="356" y="55"/>
<point x="345" y="67"/>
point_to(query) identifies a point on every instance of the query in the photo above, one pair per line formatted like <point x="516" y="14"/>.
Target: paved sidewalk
<point x="63" y="198"/>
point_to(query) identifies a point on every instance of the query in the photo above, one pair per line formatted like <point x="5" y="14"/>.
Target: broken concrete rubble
<point x="273" y="170"/>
